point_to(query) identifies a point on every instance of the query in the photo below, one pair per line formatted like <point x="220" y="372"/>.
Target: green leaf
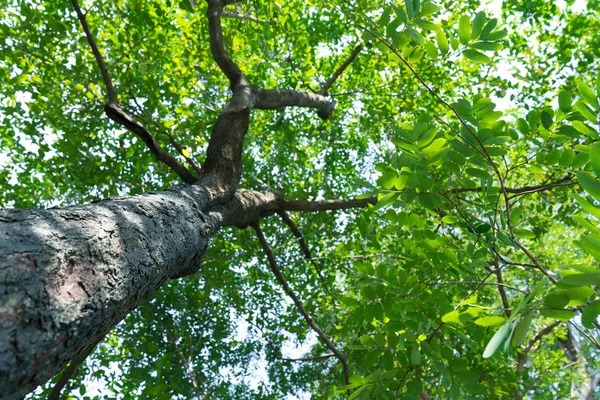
<point x="442" y="42"/>
<point x="487" y="46"/>
<point x="464" y="29"/>
<point x="521" y="330"/>
<point x="588" y="95"/>
<point x="589" y="184"/>
<point x="419" y="39"/>
<point x="409" y="9"/>
<point x="587" y="206"/>
<point x="186" y="5"/>
<point x="431" y="50"/>
<point x="400" y="13"/>
<point x="349" y="301"/>
<point x="489" y="27"/>
<point x="478" y="22"/>
<point x="579" y="295"/>
<point x="590" y="313"/>
<point x="595" y="158"/>
<point x="490" y="321"/>
<point x="564" y="101"/>
<point x="558" y="299"/>
<point x="415" y="355"/>
<point x="586" y="111"/>
<point x="501" y="34"/>
<point x="476" y="56"/>
<point x="561" y="315"/>
<point x="581" y="279"/>
<point x="498" y="339"/>
<point x="523" y="126"/>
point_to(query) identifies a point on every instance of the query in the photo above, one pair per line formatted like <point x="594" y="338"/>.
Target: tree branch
<point x="110" y="91"/>
<point x="298" y="303"/>
<point x="564" y="181"/>
<point x="115" y="113"/>
<point x="280" y="98"/>
<point x="217" y="45"/>
<point x="325" y="205"/>
<point x="327" y="85"/>
<point x="498" y="272"/>
<point x="68" y="374"/>
<point x="316" y="358"/>
<point x="305" y="250"/>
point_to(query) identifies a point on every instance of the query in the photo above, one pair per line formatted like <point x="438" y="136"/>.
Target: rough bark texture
<point x="69" y="275"/>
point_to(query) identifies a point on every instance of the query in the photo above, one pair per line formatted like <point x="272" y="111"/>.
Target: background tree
<point x="477" y="189"/>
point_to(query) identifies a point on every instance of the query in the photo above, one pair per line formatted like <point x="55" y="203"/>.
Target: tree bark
<point x="69" y="275"/>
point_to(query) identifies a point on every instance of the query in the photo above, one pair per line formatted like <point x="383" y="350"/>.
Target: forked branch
<point x="115" y="113"/>
<point x="280" y="278"/>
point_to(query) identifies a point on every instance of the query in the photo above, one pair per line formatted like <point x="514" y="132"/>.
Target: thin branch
<point x="316" y="358"/>
<point x="477" y="283"/>
<point x="110" y="91"/>
<point x="217" y="45"/>
<point x="280" y="278"/>
<point x="305" y="250"/>
<point x="325" y="205"/>
<point x="68" y="374"/>
<point x="564" y="181"/>
<point x="327" y="85"/>
<point x="498" y="272"/>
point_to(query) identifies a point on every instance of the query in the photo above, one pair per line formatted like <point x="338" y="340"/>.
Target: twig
<point x="280" y="278"/>
<point x="316" y="358"/>
<point x="305" y="250"/>
<point x="477" y="283"/>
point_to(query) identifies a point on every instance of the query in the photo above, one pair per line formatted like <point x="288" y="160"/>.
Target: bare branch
<point x="68" y="374"/>
<point x="327" y="85"/>
<point x="564" y="181"/>
<point x="280" y="98"/>
<point x="477" y="283"/>
<point x="316" y="358"/>
<point x="498" y="272"/>
<point x="298" y="303"/>
<point x="325" y="205"/>
<point x="217" y="45"/>
<point x="307" y="254"/>
<point x="110" y="91"/>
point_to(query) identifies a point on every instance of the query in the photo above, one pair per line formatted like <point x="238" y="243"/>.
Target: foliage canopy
<point x="476" y="128"/>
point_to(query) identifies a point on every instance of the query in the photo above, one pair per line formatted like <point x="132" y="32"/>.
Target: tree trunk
<point x="69" y="275"/>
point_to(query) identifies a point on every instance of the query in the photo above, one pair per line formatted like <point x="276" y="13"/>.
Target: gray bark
<point x="69" y="275"/>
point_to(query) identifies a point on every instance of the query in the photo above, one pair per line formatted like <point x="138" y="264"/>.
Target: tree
<point x="429" y="229"/>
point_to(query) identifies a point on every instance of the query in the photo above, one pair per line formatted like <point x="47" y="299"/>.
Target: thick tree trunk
<point x="69" y="275"/>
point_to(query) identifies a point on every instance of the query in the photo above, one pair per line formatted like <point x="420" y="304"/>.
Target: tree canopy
<point x="466" y="134"/>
